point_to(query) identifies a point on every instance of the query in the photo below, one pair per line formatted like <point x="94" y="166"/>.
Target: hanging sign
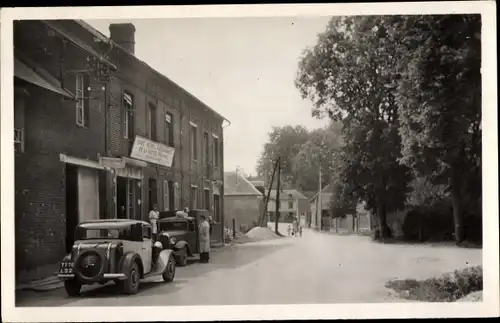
<point x="152" y="152"/>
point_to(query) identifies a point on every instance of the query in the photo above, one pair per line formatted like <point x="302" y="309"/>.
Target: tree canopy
<point x="407" y="91"/>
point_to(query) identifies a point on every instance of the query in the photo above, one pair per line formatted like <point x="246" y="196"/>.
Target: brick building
<point x="81" y="103"/>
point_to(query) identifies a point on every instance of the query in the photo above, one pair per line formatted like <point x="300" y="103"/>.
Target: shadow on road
<point x="230" y="257"/>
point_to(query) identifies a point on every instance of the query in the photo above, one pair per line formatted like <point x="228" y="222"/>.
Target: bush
<point x="473" y="225"/>
<point x="447" y="288"/>
<point x="429" y="223"/>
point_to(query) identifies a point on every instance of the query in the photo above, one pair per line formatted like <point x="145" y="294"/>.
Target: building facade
<point x="293" y="205"/>
<point x="100" y="134"/>
<point x="243" y="202"/>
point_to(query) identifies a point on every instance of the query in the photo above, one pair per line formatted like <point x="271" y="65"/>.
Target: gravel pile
<point x="259" y="233"/>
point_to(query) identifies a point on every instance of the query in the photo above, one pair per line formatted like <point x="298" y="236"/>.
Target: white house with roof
<point x="293" y="205"/>
<point x="321" y="214"/>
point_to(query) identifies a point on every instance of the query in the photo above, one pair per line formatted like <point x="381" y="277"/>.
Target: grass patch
<point x="447" y="288"/>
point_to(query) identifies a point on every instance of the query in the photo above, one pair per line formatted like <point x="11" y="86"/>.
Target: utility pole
<point x="276" y="218"/>
<point x="263" y="222"/>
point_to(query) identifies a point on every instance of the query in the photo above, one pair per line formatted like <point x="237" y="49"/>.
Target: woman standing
<point x="204" y="231"/>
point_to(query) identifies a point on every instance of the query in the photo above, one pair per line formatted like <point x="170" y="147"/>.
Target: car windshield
<point x="84" y="234"/>
<point x="174" y="225"/>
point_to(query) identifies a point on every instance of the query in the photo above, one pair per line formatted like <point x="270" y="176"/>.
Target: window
<point x="166" y="196"/>
<point x="290" y="204"/>
<point x="82" y="97"/>
<point x="152" y="121"/>
<point x="19" y="140"/>
<point x="216" y="151"/>
<point x="127" y="120"/>
<point x="169" y="130"/>
<point x="194" y="198"/>
<point x="146" y="232"/>
<point x="206" y="199"/>
<point x="206" y="145"/>
<point x="194" y="142"/>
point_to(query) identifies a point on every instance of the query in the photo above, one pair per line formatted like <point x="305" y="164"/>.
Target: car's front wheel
<point x="131" y="284"/>
<point x="169" y="272"/>
<point x="72" y="287"/>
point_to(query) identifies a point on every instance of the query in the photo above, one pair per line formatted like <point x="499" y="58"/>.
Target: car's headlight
<point x="173" y="240"/>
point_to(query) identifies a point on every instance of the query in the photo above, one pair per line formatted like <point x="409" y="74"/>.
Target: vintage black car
<point x="180" y="234"/>
<point x="120" y="250"/>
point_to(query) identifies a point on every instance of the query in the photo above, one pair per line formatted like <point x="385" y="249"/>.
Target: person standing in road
<point x="204" y="231"/>
<point x="154" y="215"/>
<point x="300" y="230"/>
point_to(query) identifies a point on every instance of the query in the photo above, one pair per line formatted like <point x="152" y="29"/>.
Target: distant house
<point x="322" y="218"/>
<point x="243" y="202"/>
<point x="260" y="185"/>
<point x="293" y="205"/>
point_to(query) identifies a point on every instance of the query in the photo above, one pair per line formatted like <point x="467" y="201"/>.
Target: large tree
<point x="286" y="142"/>
<point x="321" y="150"/>
<point x="439" y="98"/>
<point x="349" y="74"/>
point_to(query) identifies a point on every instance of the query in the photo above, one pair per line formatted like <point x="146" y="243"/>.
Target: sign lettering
<point x="152" y="152"/>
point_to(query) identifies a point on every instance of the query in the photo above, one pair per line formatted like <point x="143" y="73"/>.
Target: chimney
<point x="123" y="35"/>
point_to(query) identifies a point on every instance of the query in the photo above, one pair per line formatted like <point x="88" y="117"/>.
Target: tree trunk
<point x="382" y="219"/>
<point x="457" y="207"/>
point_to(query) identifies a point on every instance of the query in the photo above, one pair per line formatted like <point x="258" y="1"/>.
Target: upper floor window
<point x="128" y="105"/>
<point x="290" y="204"/>
<point x="152" y="122"/>
<point x="169" y="129"/>
<point x="82" y="96"/>
<point x="194" y="197"/>
<point x="194" y="141"/>
<point x="216" y="151"/>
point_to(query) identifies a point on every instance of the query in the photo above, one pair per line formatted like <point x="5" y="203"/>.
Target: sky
<point x="244" y="68"/>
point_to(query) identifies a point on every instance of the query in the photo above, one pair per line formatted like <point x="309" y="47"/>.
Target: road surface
<point x="317" y="268"/>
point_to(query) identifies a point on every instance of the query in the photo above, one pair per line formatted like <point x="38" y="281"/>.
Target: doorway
<point x="152" y="193"/>
<point x="216" y="207"/>
<point x="121" y="197"/>
<point x="71" y="205"/>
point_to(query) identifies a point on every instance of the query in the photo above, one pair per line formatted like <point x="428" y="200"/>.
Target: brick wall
<point x="50" y="129"/>
<point x="149" y="87"/>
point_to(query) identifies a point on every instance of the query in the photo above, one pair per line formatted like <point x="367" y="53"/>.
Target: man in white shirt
<point x="204" y="234"/>
<point x="154" y="214"/>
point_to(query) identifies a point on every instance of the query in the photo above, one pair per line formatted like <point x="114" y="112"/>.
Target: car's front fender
<point x="161" y="262"/>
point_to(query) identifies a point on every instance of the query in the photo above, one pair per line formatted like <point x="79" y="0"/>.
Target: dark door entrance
<point x="121" y="197"/>
<point x="216" y="207"/>
<point x="153" y="194"/>
<point x="71" y="205"/>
